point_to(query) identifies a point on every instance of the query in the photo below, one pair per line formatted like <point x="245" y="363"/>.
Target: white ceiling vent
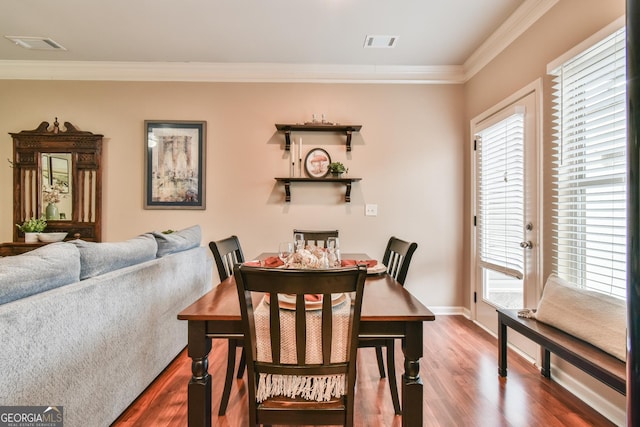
<point x="39" y="43"/>
<point x="380" y="41"/>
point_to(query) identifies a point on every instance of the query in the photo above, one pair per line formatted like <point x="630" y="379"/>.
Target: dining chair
<point x="226" y="253"/>
<point x="397" y="257"/>
<point x="317" y="235"/>
<point x="290" y="340"/>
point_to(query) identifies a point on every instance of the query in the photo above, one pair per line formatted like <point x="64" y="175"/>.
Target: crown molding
<point x="523" y="18"/>
<point x="234" y="72"/>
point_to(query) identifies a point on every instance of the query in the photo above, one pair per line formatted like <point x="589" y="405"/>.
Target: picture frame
<point x="175" y="153"/>
<point x="316" y="163"/>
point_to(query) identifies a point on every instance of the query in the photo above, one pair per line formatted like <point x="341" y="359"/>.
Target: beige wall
<point x="412" y="152"/>
<point x="409" y="154"/>
<point x="567" y="24"/>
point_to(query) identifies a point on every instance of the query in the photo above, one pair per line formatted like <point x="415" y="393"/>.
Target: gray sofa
<point x="88" y="326"/>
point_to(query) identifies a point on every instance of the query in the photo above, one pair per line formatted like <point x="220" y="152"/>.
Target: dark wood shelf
<point x="17" y="248"/>
<point x="346" y="181"/>
<point x="316" y="127"/>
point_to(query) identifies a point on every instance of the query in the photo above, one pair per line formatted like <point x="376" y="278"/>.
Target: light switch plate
<point x="371" y="210"/>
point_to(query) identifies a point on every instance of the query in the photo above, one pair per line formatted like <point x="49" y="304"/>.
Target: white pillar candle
<point x="300" y="156"/>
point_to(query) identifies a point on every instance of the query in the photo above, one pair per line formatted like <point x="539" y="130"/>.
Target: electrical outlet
<point x="371" y="210"/>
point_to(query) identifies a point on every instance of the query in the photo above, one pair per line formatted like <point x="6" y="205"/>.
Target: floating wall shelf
<point x="316" y="127"/>
<point x="346" y="181"/>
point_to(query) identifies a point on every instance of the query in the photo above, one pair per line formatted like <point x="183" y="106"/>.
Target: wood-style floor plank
<point x="459" y="370"/>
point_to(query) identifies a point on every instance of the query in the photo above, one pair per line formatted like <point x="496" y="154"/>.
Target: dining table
<point x="389" y="310"/>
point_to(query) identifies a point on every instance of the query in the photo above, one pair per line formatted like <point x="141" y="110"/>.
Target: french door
<point x="506" y="232"/>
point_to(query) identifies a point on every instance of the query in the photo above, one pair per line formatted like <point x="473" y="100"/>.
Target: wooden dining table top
<point x="385" y="299"/>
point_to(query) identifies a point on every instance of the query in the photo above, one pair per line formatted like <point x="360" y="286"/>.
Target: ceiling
<point x="286" y="38"/>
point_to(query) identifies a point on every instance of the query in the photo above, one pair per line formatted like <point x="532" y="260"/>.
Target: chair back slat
<point x="274" y="328"/>
<point x="301" y="330"/>
<point x="395" y="262"/>
<point x="316" y="236"/>
<point x="397" y="258"/>
<point x="327" y="327"/>
<point x="229" y="261"/>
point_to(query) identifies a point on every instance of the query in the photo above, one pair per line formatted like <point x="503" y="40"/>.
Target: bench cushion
<point x="596" y="318"/>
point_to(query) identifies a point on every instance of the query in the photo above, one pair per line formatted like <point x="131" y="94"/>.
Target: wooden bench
<point x="595" y="362"/>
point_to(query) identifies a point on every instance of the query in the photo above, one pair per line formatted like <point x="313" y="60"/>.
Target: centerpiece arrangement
<point x="312" y="257"/>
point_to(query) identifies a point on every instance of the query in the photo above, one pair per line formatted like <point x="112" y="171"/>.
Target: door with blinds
<point x="506" y="225"/>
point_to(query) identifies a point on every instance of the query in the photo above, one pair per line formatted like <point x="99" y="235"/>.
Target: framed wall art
<point x="316" y="163"/>
<point x="175" y="164"/>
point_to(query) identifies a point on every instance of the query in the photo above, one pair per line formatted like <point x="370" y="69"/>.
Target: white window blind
<point x="500" y="198"/>
<point x="589" y="219"/>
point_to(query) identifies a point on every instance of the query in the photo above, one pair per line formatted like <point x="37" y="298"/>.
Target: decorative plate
<point x="379" y="268"/>
<point x="316" y="164"/>
<point x="288" y="302"/>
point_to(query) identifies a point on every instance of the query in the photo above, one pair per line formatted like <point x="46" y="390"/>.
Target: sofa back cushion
<point x="42" y="269"/>
<point x="594" y="317"/>
<point x="101" y="258"/>
<point x="178" y="241"/>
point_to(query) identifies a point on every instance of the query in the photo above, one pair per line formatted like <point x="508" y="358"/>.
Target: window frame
<point x="579" y="190"/>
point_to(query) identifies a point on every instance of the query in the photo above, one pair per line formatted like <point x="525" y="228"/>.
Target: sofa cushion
<point x="178" y="241"/>
<point x="42" y="269"/>
<point x="101" y="258"/>
<point x="596" y="318"/>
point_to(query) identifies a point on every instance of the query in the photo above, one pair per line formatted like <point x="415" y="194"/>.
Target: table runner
<point x="318" y="388"/>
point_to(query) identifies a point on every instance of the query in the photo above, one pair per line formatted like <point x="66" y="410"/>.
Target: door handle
<point x="526" y="245"/>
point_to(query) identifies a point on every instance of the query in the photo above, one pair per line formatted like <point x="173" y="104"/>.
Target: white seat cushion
<point x="594" y="317"/>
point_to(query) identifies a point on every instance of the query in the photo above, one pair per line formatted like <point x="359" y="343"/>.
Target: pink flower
<point x="52" y="194"/>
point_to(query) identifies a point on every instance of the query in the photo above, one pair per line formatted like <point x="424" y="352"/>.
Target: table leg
<point x="502" y="347"/>
<point x="412" y="412"/>
<point x="199" y="390"/>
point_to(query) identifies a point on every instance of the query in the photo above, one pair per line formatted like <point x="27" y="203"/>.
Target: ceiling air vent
<point x="39" y="43"/>
<point x="382" y="42"/>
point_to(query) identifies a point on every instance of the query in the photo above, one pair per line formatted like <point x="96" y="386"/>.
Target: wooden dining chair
<point x="299" y="342"/>
<point x="397" y="257"/>
<point x="317" y="235"/>
<point x="226" y="253"/>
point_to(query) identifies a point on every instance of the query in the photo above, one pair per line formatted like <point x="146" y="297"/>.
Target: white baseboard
<point x="449" y="311"/>
<point x="597" y="400"/>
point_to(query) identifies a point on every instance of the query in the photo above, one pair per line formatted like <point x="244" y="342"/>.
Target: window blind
<point x="589" y="207"/>
<point x="500" y="198"/>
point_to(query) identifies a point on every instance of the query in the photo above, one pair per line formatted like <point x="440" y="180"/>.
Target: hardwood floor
<point x="461" y="388"/>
